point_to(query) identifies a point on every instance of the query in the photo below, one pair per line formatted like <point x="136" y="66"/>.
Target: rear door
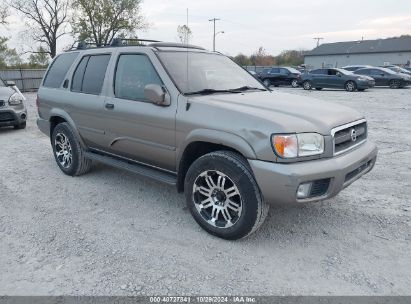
<point x="86" y="106"/>
<point x="136" y="128"/>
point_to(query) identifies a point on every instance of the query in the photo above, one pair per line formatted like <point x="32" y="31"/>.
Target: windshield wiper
<point x="209" y="91"/>
<point x="213" y="91"/>
<point x="248" y="88"/>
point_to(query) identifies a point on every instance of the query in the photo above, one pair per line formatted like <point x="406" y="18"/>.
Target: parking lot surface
<point x="110" y="232"/>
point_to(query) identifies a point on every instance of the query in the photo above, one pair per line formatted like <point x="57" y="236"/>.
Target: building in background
<point x="371" y="52"/>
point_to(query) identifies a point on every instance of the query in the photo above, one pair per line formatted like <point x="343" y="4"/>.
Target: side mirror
<point x="10" y="83"/>
<point x="157" y="94"/>
<point x="382" y="74"/>
<point x="339" y="74"/>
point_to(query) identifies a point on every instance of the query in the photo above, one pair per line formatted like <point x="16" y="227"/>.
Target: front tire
<point x="395" y="84"/>
<point x="350" y="86"/>
<point x="307" y="85"/>
<point x="68" y="152"/>
<point x="223" y="196"/>
<point x="294" y="83"/>
<point x="267" y="82"/>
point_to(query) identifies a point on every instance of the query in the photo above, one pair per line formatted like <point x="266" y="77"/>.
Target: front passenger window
<point x="133" y="73"/>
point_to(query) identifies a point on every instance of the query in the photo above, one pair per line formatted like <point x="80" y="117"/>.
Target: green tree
<point x="8" y="57"/>
<point x="184" y="34"/>
<point x="99" y="21"/>
<point x="39" y="59"/>
<point x="45" y="19"/>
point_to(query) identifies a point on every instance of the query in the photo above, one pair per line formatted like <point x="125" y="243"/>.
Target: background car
<point x="335" y="78"/>
<point x="280" y="76"/>
<point x="13" y="112"/>
<point x="398" y="69"/>
<point x="353" y="68"/>
<point x="386" y="77"/>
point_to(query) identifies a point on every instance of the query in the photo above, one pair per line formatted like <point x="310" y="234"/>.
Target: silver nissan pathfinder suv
<point x="194" y="119"/>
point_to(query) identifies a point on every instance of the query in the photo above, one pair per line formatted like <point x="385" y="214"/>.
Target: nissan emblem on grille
<point x="353" y="134"/>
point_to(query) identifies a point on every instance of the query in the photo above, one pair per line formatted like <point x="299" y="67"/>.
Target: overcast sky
<point x="275" y="25"/>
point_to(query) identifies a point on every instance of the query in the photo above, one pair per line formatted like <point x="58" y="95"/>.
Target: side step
<point x="156" y="174"/>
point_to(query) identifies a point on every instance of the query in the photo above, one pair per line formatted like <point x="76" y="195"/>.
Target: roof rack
<point x="118" y="42"/>
<point x="175" y="45"/>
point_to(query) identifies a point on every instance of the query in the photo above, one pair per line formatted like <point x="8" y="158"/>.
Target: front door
<point x="136" y="128"/>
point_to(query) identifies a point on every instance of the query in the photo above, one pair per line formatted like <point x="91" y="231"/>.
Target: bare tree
<point x="184" y="34"/>
<point x="47" y="20"/>
<point x="100" y="21"/>
<point x="4" y="13"/>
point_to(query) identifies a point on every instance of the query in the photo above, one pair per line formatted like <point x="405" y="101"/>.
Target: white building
<point x="372" y="52"/>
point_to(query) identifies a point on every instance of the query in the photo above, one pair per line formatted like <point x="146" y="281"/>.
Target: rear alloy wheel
<point x="395" y="84"/>
<point x="307" y="85"/>
<point x="68" y="152"/>
<point x="294" y="83"/>
<point x="350" y="86"/>
<point x="223" y="196"/>
<point x="267" y="82"/>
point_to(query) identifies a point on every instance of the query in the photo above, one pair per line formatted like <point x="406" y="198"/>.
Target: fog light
<point x="303" y="190"/>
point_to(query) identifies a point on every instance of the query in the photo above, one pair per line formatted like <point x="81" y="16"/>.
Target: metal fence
<point x="26" y="79"/>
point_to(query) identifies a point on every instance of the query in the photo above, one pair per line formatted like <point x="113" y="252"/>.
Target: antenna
<point x="188" y="87"/>
<point x="318" y="40"/>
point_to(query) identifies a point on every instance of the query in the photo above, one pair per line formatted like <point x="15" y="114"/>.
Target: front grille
<point x="319" y="187"/>
<point x="2" y="103"/>
<point x="357" y="171"/>
<point x="349" y="136"/>
<point x="6" y="116"/>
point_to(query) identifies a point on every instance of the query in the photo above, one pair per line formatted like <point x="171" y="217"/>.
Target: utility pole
<point x="318" y="40"/>
<point x="214" y="20"/>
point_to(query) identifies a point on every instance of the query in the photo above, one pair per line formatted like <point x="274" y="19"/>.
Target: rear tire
<point x="350" y="86"/>
<point x="223" y="196"/>
<point x="307" y="85"/>
<point x="68" y="152"/>
<point x="318" y="89"/>
<point x="395" y="84"/>
<point x="20" y="126"/>
<point x="360" y="90"/>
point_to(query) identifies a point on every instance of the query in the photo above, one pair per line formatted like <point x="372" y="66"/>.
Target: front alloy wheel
<point x="217" y="199"/>
<point x="294" y="83"/>
<point x="267" y="82"/>
<point x="350" y="86"/>
<point x="223" y="196"/>
<point x="307" y="85"/>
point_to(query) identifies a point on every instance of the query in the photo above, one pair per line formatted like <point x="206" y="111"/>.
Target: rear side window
<point x="89" y="75"/>
<point x="133" y="73"/>
<point x="58" y="70"/>
<point x="275" y="71"/>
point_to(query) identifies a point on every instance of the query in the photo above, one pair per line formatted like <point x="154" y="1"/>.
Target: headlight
<point x="362" y="79"/>
<point x="15" y="99"/>
<point x="297" y="145"/>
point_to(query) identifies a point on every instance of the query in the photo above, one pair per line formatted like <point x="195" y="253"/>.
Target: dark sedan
<point x="386" y="77"/>
<point x="280" y="76"/>
<point x="336" y="79"/>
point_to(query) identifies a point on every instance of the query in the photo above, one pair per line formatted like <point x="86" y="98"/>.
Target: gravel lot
<point x="113" y="233"/>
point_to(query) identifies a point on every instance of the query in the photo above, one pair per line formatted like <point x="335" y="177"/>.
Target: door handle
<point x="109" y="106"/>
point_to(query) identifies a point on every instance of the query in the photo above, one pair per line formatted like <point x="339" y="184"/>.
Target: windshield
<point x="193" y="72"/>
<point x="295" y="71"/>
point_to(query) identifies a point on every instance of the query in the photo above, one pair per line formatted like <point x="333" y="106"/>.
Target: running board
<point x="153" y="173"/>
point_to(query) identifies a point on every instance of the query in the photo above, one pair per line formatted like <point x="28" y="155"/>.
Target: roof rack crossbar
<point x="120" y="41"/>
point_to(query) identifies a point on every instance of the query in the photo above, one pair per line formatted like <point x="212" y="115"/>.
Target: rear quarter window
<point x="58" y="70"/>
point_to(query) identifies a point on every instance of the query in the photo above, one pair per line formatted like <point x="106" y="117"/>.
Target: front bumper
<point x="279" y="182"/>
<point x="12" y="117"/>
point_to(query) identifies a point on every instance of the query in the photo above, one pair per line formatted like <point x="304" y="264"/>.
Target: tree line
<point x="262" y="58"/>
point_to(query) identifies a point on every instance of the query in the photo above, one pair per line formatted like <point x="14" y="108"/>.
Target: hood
<point x="285" y="112"/>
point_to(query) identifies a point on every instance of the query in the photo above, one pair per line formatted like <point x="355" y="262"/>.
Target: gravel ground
<point x="113" y="233"/>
